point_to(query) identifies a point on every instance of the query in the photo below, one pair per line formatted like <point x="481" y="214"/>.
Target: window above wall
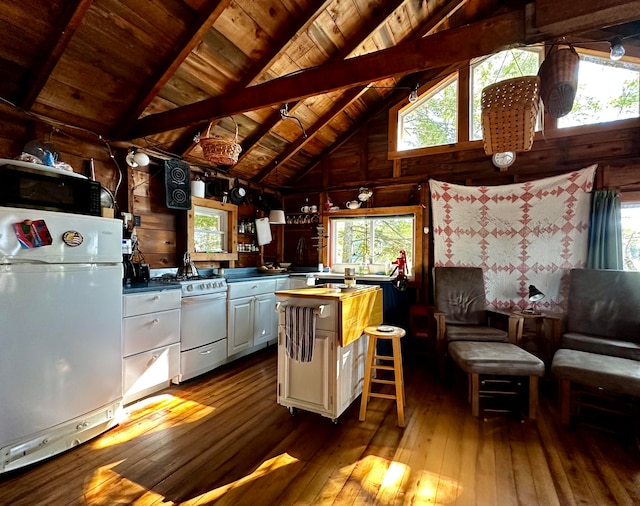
<point x="607" y="91"/>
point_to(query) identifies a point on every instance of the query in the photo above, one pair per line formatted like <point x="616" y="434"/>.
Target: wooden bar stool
<point x="374" y="362"/>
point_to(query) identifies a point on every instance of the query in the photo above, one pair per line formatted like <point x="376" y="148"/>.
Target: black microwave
<point x="50" y="190"/>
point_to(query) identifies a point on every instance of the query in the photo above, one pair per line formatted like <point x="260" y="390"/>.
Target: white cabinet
<point x="151" y="342"/>
<point x="308" y="385"/>
<point x="334" y="377"/>
<point x="240" y="320"/>
<point x="251" y="314"/>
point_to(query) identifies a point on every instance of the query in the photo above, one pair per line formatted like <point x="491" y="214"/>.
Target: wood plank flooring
<point x="223" y="439"/>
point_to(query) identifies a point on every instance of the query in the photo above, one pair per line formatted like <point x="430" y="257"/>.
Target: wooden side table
<point x="548" y="330"/>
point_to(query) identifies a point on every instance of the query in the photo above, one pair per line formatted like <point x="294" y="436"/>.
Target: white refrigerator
<point x="60" y="332"/>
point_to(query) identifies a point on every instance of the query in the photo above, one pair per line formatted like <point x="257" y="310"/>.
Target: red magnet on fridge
<point x="32" y="234"/>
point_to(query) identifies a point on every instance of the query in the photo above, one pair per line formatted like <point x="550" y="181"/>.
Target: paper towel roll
<point x="197" y="189"/>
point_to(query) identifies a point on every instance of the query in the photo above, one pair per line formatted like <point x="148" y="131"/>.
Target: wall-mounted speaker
<point x="177" y="183"/>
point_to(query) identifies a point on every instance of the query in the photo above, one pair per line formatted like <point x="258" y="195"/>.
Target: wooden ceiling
<point x="154" y="73"/>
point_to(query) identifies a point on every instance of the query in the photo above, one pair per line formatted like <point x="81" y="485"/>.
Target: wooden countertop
<point x="328" y="292"/>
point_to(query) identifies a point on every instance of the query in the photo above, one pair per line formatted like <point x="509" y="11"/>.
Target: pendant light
<point x="276" y="216"/>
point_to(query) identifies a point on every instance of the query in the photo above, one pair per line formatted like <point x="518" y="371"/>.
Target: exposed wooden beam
<point x="552" y="19"/>
<point x="306" y="18"/>
<point x="437" y="50"/>
<point x="354" y="41"/>
<point x="434" y="21"/>
<point x="194" y="33"/>
<point x="72" y="17"/>
<point x="430" y="77"/>
<point x="347" y="98"/>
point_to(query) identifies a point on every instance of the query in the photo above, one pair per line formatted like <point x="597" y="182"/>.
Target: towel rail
<point x="321" y="311"/>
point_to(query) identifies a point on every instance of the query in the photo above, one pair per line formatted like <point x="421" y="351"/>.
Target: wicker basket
<point x="220" y="151"/>
<point x="509" y="112"/>
<point x="559" y="80"/>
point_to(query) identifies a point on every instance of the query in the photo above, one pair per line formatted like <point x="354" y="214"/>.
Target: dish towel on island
<point x="300" y="332"/>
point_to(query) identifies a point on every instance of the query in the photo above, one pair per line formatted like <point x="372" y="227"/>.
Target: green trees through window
<point x="371" y="240"/>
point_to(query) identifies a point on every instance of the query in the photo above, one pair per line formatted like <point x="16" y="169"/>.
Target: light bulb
<point x="617" y="49"/>
<point x="142" y="159"/>
<point x="413" y="96"/>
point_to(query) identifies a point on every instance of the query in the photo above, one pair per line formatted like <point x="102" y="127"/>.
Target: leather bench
<point x="500" y="359"/>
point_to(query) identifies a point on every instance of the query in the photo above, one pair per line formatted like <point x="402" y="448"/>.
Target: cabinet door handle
<point x="156" y="321"/>
<point x="156" y="297"/>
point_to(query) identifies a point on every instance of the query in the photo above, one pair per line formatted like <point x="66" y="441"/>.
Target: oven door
<point x="203" y="320"/>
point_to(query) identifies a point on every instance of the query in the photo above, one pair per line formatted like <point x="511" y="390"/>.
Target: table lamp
<point x="535" y="295"/>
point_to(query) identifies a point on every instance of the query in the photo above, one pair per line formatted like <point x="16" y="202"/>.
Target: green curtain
<point x="605" y="231"/>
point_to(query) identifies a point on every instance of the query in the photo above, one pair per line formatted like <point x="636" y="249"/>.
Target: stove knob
<point x="209" y="285"/>
<point x="190" y="288"/>
<point x="203" y="286"/>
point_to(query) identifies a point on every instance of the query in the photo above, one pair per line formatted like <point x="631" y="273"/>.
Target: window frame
<point x="549" y="125"/>
<point x="419" y="234"/>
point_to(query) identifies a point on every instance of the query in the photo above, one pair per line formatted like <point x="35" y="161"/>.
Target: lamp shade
<point x="277" y="217"/>
<point x="534" y="294"/>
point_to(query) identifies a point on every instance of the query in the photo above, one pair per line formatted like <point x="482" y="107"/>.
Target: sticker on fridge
<point x="32" y="234"/>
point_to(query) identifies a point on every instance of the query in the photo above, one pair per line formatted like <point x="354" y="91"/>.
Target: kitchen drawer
<point x="249" y="288"/>
<point x="150" y="371"/>
<point x="150" y="302"/>
<point x="149" y="331"/>
<point x="200" y="360"/>
<point x="282" y="283"/>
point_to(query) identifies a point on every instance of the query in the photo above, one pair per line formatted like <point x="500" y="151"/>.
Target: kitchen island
<point x="333" y="379"/>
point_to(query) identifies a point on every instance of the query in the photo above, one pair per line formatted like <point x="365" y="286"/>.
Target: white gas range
<point x="203" y="325"/>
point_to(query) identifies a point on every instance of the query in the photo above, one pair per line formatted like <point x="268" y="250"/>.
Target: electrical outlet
<point x="136" y="220"/>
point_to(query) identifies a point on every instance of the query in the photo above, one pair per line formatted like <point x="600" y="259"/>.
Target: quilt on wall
<point x="521" y="234"/>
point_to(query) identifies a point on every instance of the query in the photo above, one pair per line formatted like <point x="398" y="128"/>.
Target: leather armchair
<point x="461" y="312"/>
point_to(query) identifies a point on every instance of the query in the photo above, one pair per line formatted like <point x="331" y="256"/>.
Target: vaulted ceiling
<point x="155" y="73"/>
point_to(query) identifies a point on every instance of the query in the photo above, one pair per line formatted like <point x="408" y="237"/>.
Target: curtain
<point x="605" y="231"/>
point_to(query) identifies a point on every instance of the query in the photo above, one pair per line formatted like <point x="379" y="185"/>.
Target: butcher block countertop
<point x="356" y="309"/>
<point x="330" y="291"/>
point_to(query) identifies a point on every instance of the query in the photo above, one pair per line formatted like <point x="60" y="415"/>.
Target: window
<point x="631" y="236"/>
<point x="607" y="91"/>
<point x="371" y="242"/>
<point x="495" y="68"/>
<point x="209" y="226"/>
<point x="209" y="229"/>
<point x="432" y="121"/>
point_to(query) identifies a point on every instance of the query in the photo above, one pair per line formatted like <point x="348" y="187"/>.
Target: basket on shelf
<point x="559" y="80"/>
<point x="220" y="151"/>
<point x="509" y="113"/>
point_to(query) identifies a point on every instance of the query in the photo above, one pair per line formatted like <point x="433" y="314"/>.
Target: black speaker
<point x="177" y="183"/>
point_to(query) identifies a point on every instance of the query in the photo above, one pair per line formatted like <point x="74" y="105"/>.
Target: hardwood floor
<point x="223" y="439"/>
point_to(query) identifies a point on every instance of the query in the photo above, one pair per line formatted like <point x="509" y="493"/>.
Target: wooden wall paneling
<point x="364" y="152"/>
<point x="161" y="230"/>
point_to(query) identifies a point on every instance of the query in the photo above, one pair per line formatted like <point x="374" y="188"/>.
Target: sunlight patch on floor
<point x="194" y="411"/>
<point x="433" y="488"/>
<point x="106" y="488"/>
<point x="264" y="469"/>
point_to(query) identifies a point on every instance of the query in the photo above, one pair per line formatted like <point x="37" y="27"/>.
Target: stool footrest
<point x="382" y="396"/>
<point x="383" y="357"/>
<point x="383" y="382"/>
<point x="383" y="367"/>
